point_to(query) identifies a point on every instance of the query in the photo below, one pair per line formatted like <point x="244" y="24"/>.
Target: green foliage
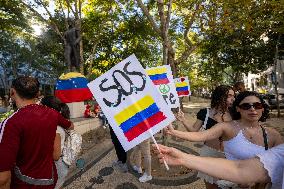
<point x="230" y="33"/>
<point x="233" y="34"/>
<point x="13" y="16"/>
<point x="117" y="32"/>
<point x="6" y="115"/>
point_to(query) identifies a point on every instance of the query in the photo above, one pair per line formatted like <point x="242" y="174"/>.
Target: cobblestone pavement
<point x="98" y="172"/>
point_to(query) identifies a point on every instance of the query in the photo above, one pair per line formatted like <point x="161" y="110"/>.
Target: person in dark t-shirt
<point x="27" y="138"/>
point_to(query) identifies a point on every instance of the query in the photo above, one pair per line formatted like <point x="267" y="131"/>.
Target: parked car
<point x="271" y="97"/>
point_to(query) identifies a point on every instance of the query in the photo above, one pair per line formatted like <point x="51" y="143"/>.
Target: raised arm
<point x="241" y="172"/>
<point x="57" y="147"/>
<point x="189" y="127"/>
<point x="210" y="134"/>
<point x="65" y="123"/>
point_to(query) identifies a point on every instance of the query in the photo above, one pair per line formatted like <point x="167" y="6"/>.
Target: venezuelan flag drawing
<point x="182" y="87"/>
<point x="158" y="75"/>
<point x="139" y="117"/>
<point x="72" y="87"/>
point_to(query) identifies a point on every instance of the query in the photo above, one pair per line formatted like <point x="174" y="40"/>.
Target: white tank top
<point x="239" y="148"/>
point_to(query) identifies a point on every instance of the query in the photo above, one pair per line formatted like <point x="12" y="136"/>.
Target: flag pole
<point x="157" y="146"/>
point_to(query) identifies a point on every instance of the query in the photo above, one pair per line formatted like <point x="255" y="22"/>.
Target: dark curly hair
<point x="27" y="87"/>
<point x="55" y="103"/>
<point x="219" y="97"/>
<point x="236" y="115"/>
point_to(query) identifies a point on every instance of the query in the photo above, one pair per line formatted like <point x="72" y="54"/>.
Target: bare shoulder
<point x="271" y="131"/>
<point x="274" y="136"/>
<point x="225" y="126"/>
<point x="228" y="125"/>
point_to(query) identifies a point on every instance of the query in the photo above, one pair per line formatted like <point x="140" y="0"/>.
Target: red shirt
<point x="26" y="140"/>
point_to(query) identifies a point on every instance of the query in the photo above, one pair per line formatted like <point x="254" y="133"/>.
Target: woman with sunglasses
<point x="244" y="137"/>
<point x="223" y="97"/>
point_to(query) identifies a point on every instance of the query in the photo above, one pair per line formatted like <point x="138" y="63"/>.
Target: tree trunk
<point x="171" y="62"/>
<point x="81" y="57"/>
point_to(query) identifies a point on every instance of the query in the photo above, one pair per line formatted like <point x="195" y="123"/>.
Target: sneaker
<point x="123" y="167"/>
<point x="137" y="169"/>
<point x="145" y="178"/>
<point x="116" y="163"/>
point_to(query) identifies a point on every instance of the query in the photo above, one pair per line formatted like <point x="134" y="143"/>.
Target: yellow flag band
<point x="131" y="110"/>
<point x="155" y="71"/>
<point x="181" y="84"/>
<point x="71" y="75"/>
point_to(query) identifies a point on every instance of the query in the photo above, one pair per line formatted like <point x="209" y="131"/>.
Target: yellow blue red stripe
<point x="181" y="84"/>
<point x="158" y="75"/>
<point x="182" y="88"/>
<point x="139" y="117"/>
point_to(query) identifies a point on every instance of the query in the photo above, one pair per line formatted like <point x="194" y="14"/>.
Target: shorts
<point x="62" y="171"/>
<point x="209" y="152"/>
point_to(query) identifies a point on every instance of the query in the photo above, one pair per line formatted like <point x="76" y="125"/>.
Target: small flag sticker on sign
<point x="158" y="76"/>
<point x="182" y="86"/>
<point x="139" y="117"/>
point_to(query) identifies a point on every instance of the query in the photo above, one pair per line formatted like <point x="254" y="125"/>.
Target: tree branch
<point x="187" y="28"/>
<point x="49" y="21"/>
<point x="76" y="10"/>
<point x="35" y="12"/>
<point x="69" y="5"/>
<point x="149" y="17"/>
<point x="189" y="46"/>
<point x="65" y="18"/>
<point x="186" y="54"/>
<point x="228" y="75"/>
<point x="168" y="15"/>
<point x="80" y="9"/>
<point x="160" y="4"/>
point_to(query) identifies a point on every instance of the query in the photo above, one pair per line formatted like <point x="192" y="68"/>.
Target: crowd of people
<point x="238" y="151"/>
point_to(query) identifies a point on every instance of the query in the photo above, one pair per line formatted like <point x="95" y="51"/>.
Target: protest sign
<point x="132" y="105"/>
<point x="162" y="78"/>
<point x="182" y="86"/>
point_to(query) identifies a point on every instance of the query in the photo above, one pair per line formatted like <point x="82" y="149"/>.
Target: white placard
<point x="182" y="86"/>
<point x="162" y="78"/>
<point x="132" y="105"/>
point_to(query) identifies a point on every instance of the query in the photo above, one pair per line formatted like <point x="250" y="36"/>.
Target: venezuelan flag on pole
<point x="158" y="75"/>
<point x="72" y="87"/>
<point x="139" y="117"/>
<point x="182" y="86"/>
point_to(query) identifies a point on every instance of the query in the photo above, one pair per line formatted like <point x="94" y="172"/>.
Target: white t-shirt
<point x="61" y="132"/>
<point x="273" y="162"/>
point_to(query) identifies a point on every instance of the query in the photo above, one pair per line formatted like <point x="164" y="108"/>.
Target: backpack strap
<point x="264" y="138"/>
<point x="206" y="119"/>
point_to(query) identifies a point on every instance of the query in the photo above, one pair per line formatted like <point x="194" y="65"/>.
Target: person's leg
<point x="137" y="159"/>
<point x="137" y="156"/>
<point x="121" y="154"/>
<point x="145" y="149"/>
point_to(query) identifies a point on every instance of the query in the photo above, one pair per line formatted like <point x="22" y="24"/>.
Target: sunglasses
<point x="247" y="106"/>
